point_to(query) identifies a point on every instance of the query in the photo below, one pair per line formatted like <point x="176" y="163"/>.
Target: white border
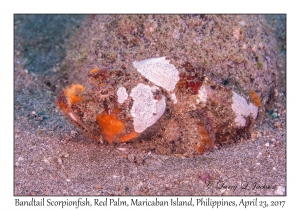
<point x="153" y="6"/>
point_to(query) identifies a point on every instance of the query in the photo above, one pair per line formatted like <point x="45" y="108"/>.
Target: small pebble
<point x="122" y="149"/>
<point x="275" y="93"/>
<point x="59" y="160"/>
<point x="74" y="133"/>
<point x="46" y="160"/>
<point x="259" y="154"/>
<point x="277" y="125"/>
<point x="280" y="190"/>
<point x="20" y="159"/>
<point x="65" y="155"/>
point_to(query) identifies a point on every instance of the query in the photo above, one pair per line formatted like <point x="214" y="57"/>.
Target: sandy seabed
<point x="51" y="157"/>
